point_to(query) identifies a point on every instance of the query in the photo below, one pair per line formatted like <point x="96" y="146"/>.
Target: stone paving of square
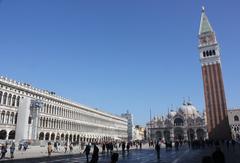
<point x="145" y="155"/>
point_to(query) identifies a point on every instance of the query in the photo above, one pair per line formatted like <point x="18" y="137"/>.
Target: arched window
<point x="11" y="134"/>
<point x="178" y="122"/>
<point x="41" y="136"/>
<point x="3" y="134"/>
<point x="13" y="100"/>
<point x="207" y="53"/>
<point x="1" y="97"/>
<point x="236" y="118"/>
<point x="2" y="116"/>
<point x="12" y="118"/>
<point x="18" y="101"/>
<point x="204" y="54"/>
<point x="5" y="98"/>
<point x="7" y="117"/>
<point x="47" y="136"/>
<point x="210" y="52"/>
<point x="9" y="99"/>
<point x="46" y="111"/>
<point x="214" y="53"/>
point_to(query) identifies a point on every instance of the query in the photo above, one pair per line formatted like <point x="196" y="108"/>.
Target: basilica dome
<point x="187" y="109"/>
<point x="172" y="114"/>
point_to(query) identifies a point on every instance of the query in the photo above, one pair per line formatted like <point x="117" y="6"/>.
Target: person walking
<point x="103" y="147"/>
<point x="25" y="146"/>
<point x="95" y="154"/>
<point x="128" y="147"/>
<point x="49" y="148"/>
<point x="12" y="149"/>
<point x="157" y="148"/>
<point x="123" y="146"/>
<point x="3" y="151"/>
<point x="87" y="151"/>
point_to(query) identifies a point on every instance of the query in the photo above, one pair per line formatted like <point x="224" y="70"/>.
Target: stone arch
<point x="9" y="99"/>
<point x="12" y="118"/>
<point x="52" y="136"/>
<point x="66" y="137"/>
<point x="41" y="136"/>
<point x="236" y="118"/>
<point x="62" y="137"/>
<point x="58" y="136"/>
<point x="13" y="100"/>
<point x="166" y="134"/>
<point x="70" y="137"/>
<point x="47" y="136"/>
<point x="3" y="116"/>
<point x="78" y="138"/>
<point x="190" y="134"/>
<point x="5" y="98"/>
<point x="200" y="134"/>
<point x="74" y="137"/>
<point x="18" y="101"/>
<point x="3" y="134"/>
<point x="1" y="93"/>
<point x="178" y="121"/>
<point x="158" y="135"/>
<point x="178" y="133"/>
<point x="11" y="134"/>
<point x="7" y="117"/>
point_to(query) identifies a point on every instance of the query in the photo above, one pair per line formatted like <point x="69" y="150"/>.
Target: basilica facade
<point x="186" y="123"/>
<point x="39" y="115"/>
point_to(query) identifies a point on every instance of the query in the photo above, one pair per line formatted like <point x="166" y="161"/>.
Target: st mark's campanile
<point x="215" y="101"/>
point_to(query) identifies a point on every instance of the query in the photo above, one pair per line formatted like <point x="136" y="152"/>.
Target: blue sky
<point x="118" y="55"/>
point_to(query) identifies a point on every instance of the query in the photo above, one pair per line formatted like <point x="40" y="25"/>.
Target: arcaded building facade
<point x="186" y="123"/>
<point x="39" y="115"/>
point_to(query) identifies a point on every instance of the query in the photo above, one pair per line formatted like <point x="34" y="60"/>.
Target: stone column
<point x="185" y="134"/>
<point x="195" y="134"/>
<point x="22" y="119"/>
<point x="171" y="134"/>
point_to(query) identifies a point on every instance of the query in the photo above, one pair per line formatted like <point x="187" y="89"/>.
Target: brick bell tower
<point x="215" y="101"/>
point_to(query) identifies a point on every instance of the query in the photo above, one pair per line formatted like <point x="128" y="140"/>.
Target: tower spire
<point x="205" y="26"/>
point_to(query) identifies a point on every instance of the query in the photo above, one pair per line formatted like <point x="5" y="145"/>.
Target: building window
<point x="236" y="118"/>
<point x="5" y="98"/>
<point x="1" y="97"/>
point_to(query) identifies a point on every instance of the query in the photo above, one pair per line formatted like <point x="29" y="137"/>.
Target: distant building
<point x="41" y="116"/>
<point x="184" y="124"/>
<point x="130" y="125"/>
<point x="234" y="122"/>
<point x="139" y="133"/>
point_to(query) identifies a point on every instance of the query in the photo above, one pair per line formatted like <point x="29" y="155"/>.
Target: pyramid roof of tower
<point x="205" y="26"/>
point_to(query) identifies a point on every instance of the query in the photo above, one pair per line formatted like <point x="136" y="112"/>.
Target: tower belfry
<point x="215" y="101"/>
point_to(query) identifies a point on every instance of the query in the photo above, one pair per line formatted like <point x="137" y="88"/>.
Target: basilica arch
<point x="190" y="134"/>
<point x="166" y="134"/>
<point x="178" y="133"/>
<point x="178" y="121"/>
<point x="158" y="135"/>
<point x="200" y="134"/>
